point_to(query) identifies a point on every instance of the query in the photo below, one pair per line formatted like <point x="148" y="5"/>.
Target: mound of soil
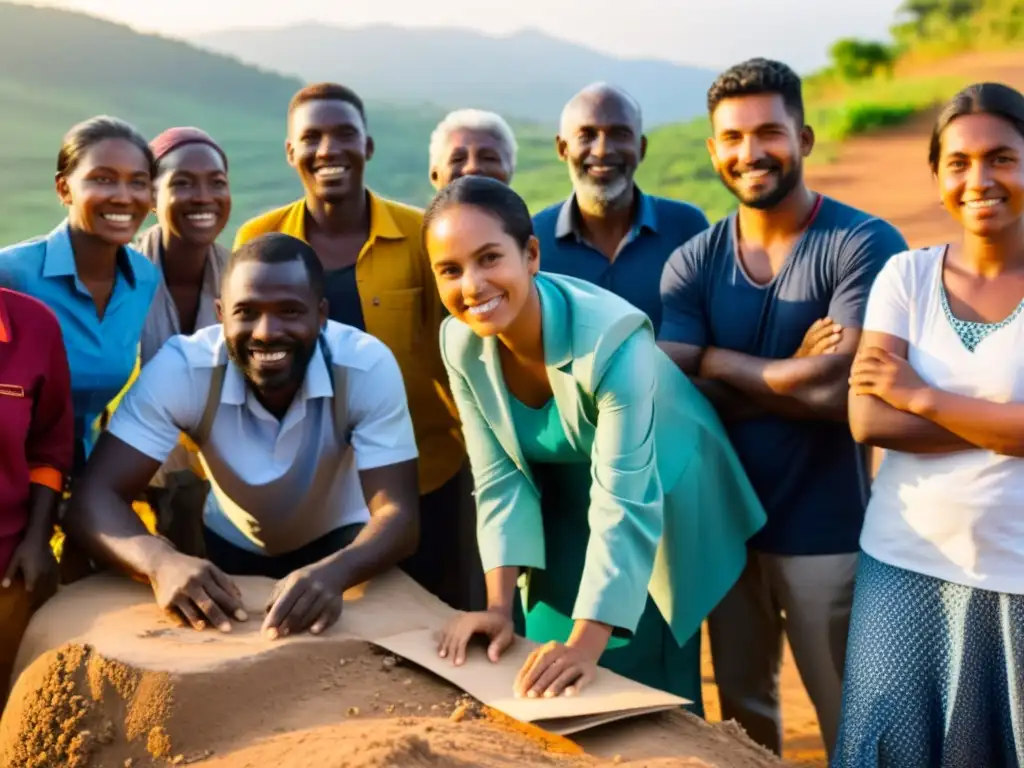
<point x="343" y="703"/>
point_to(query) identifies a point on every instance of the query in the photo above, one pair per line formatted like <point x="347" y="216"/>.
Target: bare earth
<point x="108" y="681"/>
<point x="342" y="702"/>
<point x="886" y="174"/>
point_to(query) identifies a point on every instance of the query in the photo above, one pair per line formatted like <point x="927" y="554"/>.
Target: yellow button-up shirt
<point x="401" y="307"/>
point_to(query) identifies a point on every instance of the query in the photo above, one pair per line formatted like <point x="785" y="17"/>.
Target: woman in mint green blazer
<point x="603" y="477"/>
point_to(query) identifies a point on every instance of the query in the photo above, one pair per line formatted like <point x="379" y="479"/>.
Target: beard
<point x="269" y="381"/>
<point x="605" y="194"/>
<point x="767" y="199"/>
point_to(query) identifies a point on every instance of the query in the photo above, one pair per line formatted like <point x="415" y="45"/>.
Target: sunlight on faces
<point x="600" y="140"/>
<point x="110" y="192"/>
<point x="981" y="173"/>
<point x="193" y="199"/>
<point x="470" y="152"/>
<point x="483" y="276"/>
<point x="329" y="147"/>
<point x="271" y="320"/>
<point x="758" y="148"/>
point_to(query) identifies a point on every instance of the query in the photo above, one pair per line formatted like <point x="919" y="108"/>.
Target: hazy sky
<point x="714" y="33"/>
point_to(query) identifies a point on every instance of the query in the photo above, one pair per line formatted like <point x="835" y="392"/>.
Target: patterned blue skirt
<point x="934" y="674"/>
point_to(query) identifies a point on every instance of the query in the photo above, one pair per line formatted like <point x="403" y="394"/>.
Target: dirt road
<point x="887" y="174"/>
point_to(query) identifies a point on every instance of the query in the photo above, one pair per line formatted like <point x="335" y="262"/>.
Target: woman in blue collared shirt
<point x="99" y="288"/>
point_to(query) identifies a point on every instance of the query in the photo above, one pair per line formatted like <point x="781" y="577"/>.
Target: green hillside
<point x="88" y="67"/>
<point x="57" y="68"/>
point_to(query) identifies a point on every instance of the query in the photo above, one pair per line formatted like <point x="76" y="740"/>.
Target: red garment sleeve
<point x="51" y="439"/>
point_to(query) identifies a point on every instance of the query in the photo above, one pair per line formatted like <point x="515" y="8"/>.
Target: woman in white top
<point x="935" y="663"/>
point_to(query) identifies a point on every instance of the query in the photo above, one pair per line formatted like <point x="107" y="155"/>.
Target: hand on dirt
<point x="553" y="669"/>
<point x="821" y="338"/>
<point x="304" y="600"/>
<point x="198" y="590"/>
<point x="495" y="626"/>
<point x="33" y="559"/>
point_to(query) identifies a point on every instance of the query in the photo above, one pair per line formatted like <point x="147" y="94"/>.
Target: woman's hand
<point x="553" y="669"/>
<point x="494" y="625"/>
<point x="890" y="378"/>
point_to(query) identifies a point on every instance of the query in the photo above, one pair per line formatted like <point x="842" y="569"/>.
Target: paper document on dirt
<point x="608" y="697"/>
<point x="120" y="619"/>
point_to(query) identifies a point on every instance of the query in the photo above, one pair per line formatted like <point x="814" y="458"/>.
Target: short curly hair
<point x="755" y="77"/>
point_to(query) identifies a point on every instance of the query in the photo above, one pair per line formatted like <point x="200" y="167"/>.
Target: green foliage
<point x="944" y="26"/>
<point x="854" y="59"/>
<point x="88" y="67"/>
<point x="852" y="118"/>
<point x="91" y="67"/>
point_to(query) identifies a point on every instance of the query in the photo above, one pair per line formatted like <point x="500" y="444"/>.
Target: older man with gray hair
<point x="608" y="232"/>
<point x="472" y="142"/>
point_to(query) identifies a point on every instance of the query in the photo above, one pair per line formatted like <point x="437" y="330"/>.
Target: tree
<point x="855" y="59"/>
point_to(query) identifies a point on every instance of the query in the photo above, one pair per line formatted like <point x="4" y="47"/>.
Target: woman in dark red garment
<point x="36" y="453"/>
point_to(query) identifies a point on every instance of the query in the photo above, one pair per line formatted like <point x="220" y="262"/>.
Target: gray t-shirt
<point x="809" y="474"/>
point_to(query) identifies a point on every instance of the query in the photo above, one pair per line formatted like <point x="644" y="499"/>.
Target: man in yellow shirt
<point x="378" y="279"/>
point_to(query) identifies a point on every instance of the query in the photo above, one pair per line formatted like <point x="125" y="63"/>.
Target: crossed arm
<point x="892" y="407"/>
<point x="812" y="384"/>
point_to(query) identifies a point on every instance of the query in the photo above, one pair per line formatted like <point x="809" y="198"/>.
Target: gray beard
<point x="605" y="196"/>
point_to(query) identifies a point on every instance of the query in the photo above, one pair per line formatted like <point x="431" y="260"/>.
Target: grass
<point x="676" y="166"/>
<point x="156" y="83"/>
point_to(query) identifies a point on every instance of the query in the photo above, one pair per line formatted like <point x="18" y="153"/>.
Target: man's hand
<point x="198" y="590"/>
<point x="310" y="598"/>
<point x="822" y="338"/>
<point x="34" y="561"/>
<point x="495" y="626"/>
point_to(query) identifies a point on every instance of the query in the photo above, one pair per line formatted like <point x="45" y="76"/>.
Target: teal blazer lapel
<point x="556" y="322"/>
<point x="494" y="404"/>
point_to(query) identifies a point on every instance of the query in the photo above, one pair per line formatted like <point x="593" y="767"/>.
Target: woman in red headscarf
<point x="193" y="205"/>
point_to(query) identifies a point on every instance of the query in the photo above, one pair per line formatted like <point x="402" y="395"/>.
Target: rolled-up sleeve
<point x="163" y="403"/>
<point x="626" y="497"/>
<point x="382" y="432"/>
<point x="50" y="444"/>
<point x="509" y="526"/>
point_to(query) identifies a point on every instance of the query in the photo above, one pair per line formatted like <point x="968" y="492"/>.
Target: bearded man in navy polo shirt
<point x="609" y="232"/>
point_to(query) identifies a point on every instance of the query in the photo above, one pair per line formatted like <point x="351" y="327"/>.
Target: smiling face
<point x="272" y="319"/>
<point x="329" y="148"/>
<point x="193" y="199"/>
<point x="981" y="173"/>
<point x="109" y="192"/>
<point x="600" y="140"/>
<point x="470" y="152"/>
<point x="758" y="149"/>
<point x="484" y="277"/>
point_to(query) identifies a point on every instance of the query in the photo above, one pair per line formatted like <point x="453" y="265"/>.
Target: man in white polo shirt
<point x="304" y="432"/>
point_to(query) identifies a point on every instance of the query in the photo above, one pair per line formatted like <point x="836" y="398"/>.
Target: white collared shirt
<point x="170" y="396"/>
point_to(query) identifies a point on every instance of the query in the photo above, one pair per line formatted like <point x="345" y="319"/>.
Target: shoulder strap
<point x="202" y="432"/>
<point x="339" y="383"/>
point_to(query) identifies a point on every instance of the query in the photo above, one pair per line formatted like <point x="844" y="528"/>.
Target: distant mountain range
<point x="526" y="75"/>
<point x="89" y="66"/>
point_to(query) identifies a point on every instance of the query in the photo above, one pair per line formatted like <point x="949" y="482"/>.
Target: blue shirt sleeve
<point x="866" y="251"/>
<point x="683" y="319"/>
